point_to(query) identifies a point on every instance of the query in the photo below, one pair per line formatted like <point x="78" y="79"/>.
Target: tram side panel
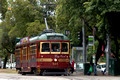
<point x="58" y="61"/>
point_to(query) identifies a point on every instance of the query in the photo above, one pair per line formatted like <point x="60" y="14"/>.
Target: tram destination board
<point x="55" y="37"/>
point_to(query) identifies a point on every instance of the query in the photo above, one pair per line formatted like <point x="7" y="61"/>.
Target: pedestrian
<point x="90" y="70"/>
<point x="72" y="65"/>
<point x="91" y="66"/>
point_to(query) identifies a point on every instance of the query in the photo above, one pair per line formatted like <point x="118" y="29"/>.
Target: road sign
<point x="90" y="40"/>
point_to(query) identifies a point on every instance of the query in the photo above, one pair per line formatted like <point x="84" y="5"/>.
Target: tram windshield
<point x="55" y="47"/>
<point x="45" y="47"/>
<point x="64" y="47"/>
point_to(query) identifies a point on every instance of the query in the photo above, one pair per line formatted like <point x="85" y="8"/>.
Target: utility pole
<point x="11" y="60"/>
<point x="84" y="48"/>
<point x="108" y="51"/>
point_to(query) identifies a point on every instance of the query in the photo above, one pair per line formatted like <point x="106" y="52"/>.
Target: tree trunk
<point x="5" y="61"/>
<point x="99" y="50"/>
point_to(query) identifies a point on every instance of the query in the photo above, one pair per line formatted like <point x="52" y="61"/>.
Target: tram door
<point x="77" y="54"/>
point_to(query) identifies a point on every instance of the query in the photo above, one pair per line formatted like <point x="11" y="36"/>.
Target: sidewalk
<point x="81" y="76"/>
<point x="92" y="74"/>
<point x="8" y="71"/>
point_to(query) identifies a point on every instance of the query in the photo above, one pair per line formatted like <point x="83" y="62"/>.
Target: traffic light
<point x="79" y="35"/>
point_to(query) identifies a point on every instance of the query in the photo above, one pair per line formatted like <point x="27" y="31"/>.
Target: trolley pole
<point x="46" y="23"/>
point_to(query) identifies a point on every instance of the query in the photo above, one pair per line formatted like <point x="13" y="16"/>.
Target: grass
<point x="8" y="71"/>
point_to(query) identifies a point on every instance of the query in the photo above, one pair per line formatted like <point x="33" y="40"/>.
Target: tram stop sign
<point x="90" y="40"/>
<point x="67" y="32"/>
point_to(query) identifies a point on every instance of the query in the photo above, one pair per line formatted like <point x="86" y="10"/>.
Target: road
<point x="14" y="76"/>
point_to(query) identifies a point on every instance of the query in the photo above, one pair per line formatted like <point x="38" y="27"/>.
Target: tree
<point x="97" y="14"/>
<point x="105" y="15"/>
<point x="20" y="15"/>
<point x="35" y="28"/>
<point x="69" y="16"/>
<point x="24" y="12"/>
<point x="7" y="46"/>
<point x="3" y="7"/>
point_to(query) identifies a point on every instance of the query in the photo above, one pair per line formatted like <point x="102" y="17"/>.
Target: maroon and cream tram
<point x="47" y="53"/>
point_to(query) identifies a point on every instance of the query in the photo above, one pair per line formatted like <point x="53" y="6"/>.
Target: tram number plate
<point x="55" y="63"/>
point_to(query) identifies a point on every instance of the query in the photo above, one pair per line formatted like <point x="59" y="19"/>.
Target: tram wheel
<point x="23" y="73"/>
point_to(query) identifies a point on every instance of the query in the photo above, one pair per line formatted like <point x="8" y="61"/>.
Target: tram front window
<point x="55" y="47"/>
<point x="64" y="47"/>
<point x="45" y="47"/>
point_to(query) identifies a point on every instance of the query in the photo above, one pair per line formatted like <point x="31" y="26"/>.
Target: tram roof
<point x="47" y="36"/>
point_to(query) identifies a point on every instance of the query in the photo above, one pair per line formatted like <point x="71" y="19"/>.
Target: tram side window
<point x="45" y="47"/>
<point x="17" y="52"/>
<point x="64" y="47"/>
<point x="24" y="51"/>
<point x="33" y="49"/>
<point x="55" y="47"/>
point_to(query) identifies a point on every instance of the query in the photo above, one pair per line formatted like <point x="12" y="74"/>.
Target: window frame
<point x="31" y="50"/>
<point x="67" y="47"/>
<point x="41" y="48"/>
<point x="24" y="54"/>
<point x="16" y="52"/>
<point x="56" y="52"/>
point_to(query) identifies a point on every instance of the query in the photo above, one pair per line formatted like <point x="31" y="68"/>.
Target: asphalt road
<point x="9" y="76"/>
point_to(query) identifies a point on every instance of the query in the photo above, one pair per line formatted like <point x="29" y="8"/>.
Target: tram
<point x="47" y="53"/>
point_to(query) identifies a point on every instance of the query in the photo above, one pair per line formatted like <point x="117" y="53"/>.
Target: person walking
<point x="91" y="66"/>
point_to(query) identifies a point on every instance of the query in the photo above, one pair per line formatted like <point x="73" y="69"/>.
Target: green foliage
<point x="69" y="17"/>
<point x="25" y="18"/>
<point x="24" y="12"/>
<point x="3" y="7"/>
<point x="103" y="15"/>
<point x="35" y="28"/>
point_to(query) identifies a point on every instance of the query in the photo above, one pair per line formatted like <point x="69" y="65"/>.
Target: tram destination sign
<point x="55" y="37"/>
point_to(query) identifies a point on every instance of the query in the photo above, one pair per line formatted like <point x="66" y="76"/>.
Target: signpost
<point x="90" y="40"/>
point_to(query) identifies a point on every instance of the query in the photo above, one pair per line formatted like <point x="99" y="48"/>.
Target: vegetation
<point x="100" y="15"/>
<point x="26" y="18"/>
<point x="21" y="18"/>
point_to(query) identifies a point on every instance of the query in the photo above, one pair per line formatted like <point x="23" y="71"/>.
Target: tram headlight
<point x="55" y="60"/>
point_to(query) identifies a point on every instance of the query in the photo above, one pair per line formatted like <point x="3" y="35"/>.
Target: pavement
<point x="75" y="76"/>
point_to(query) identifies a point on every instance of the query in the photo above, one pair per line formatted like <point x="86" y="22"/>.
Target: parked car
<point x="101" y="67"/>
<point x="78" y="66"/>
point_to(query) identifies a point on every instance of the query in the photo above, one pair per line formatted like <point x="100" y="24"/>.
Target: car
<point x="101" y="67"/>
<point x="78" y="66"/>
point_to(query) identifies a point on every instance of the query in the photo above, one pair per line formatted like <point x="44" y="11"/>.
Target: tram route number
<point x="55" y="63"/>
